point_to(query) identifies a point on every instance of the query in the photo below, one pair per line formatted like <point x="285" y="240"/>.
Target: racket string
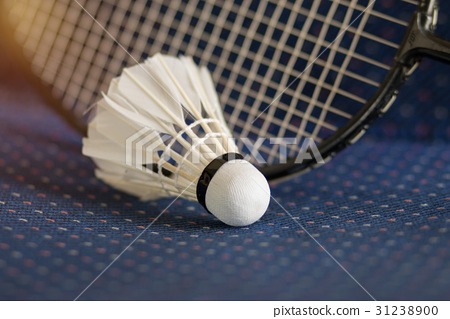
<point x="254" y="51"/>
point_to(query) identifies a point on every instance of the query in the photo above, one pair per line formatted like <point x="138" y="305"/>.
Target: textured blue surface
<point x="381" y="208"/>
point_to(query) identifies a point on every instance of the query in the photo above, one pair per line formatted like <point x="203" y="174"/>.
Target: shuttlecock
<point x="160" y="131"/>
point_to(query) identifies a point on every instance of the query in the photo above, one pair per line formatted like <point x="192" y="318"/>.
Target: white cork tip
<point x="238" y="193"/>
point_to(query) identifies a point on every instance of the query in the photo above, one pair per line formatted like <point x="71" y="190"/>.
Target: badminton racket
<point x="286" y="71"/>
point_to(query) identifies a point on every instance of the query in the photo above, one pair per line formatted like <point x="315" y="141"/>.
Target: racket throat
<point x="420" y="40"/>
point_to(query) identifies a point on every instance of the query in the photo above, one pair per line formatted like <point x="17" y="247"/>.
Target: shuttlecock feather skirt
<point x="157" y="128"/>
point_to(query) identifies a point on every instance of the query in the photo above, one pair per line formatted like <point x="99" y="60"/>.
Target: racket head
<point x="288" y="73"/>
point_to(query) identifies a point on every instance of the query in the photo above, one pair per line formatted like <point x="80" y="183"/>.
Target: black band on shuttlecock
<point x="209" y="172"/>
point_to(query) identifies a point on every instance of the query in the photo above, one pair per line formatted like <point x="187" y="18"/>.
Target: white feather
<point x="139" y="86"/>
<point x="173" y="77"/>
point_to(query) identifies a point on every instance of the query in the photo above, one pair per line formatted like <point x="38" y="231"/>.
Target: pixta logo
<point x="149" y="146"/>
